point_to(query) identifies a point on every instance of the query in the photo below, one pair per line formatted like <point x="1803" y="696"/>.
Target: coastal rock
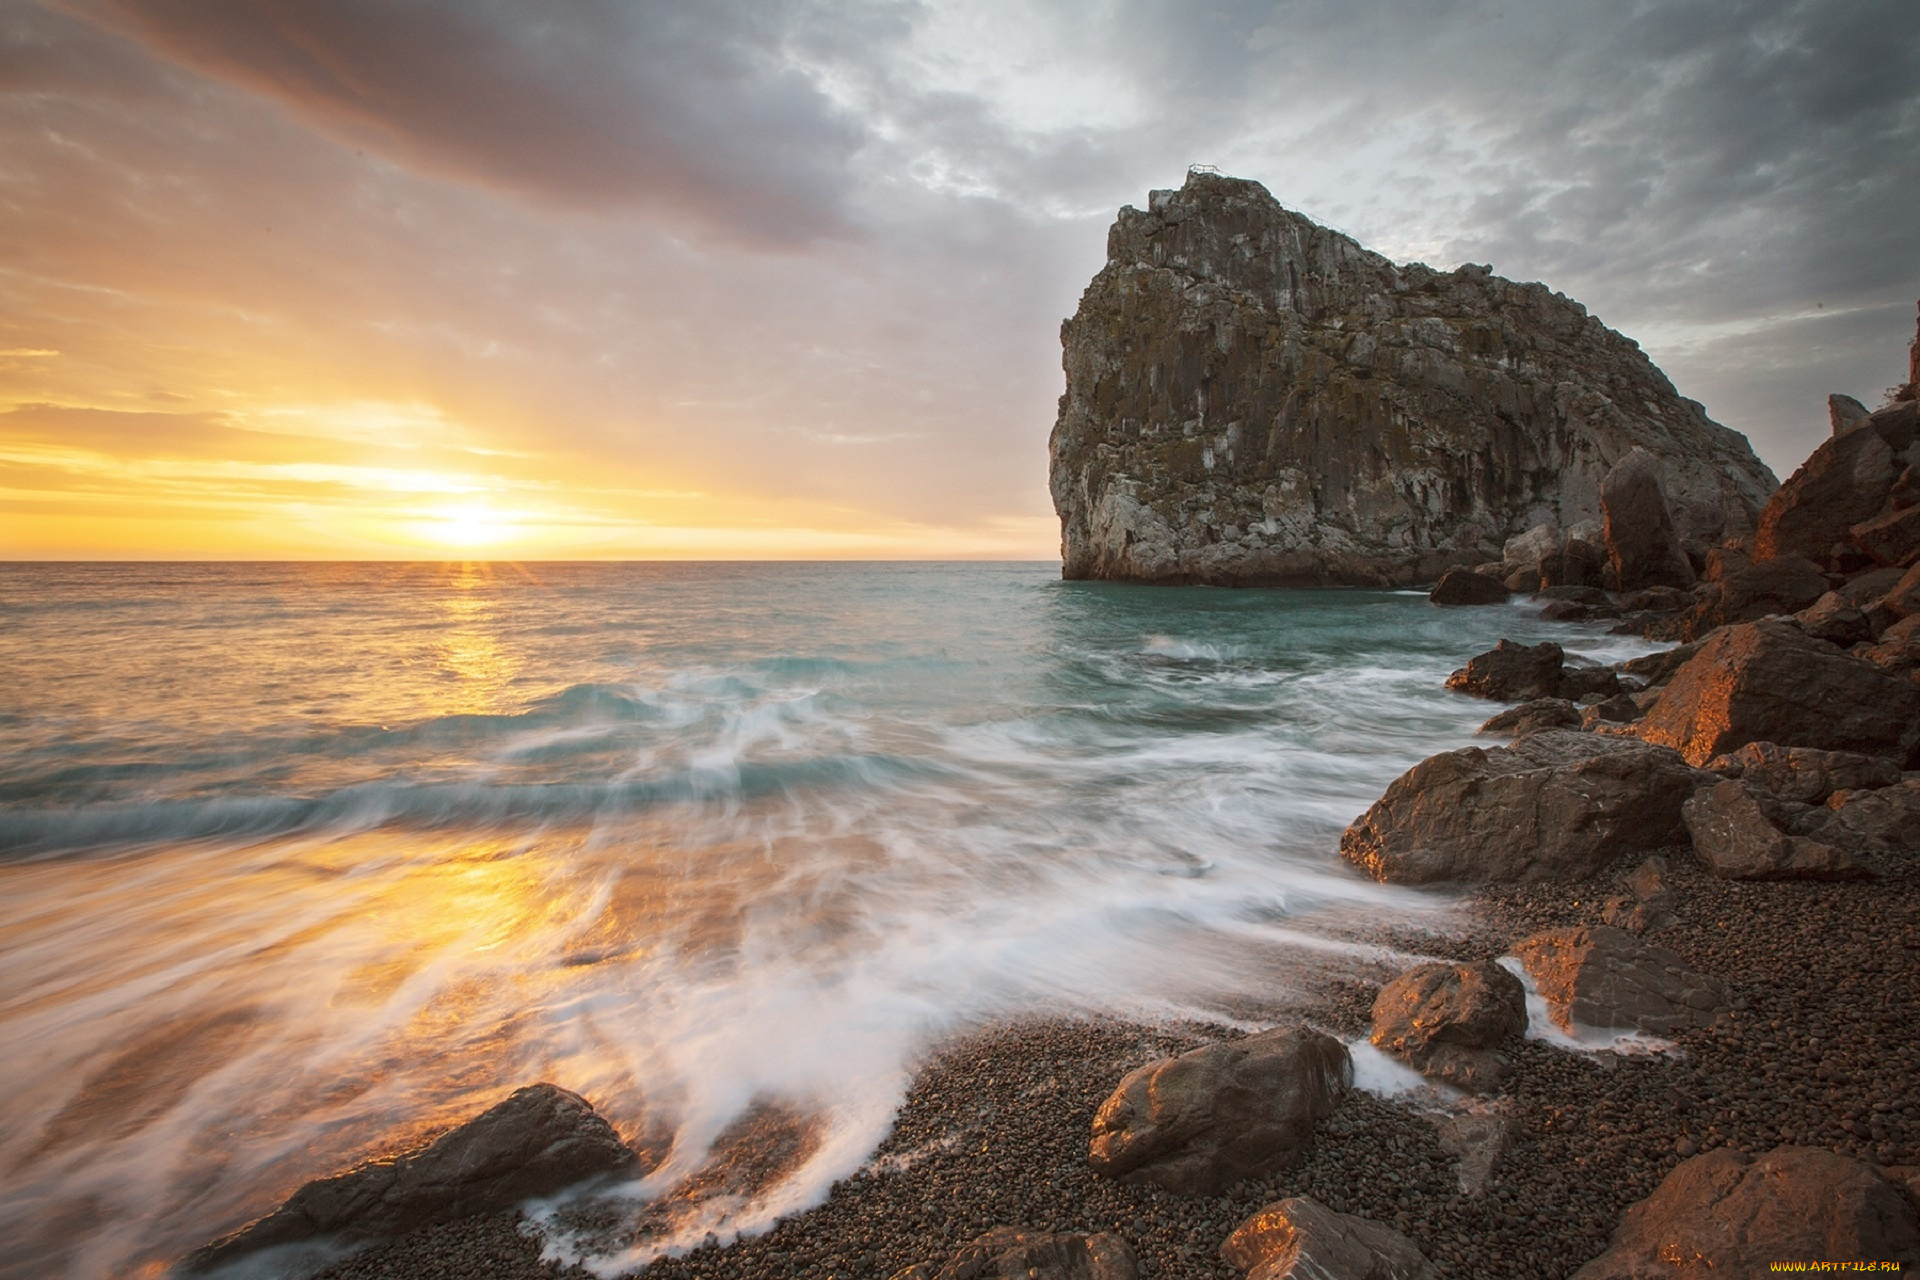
<point x="1554" y="804"/>
<point x="1735" y="840"/>
<point x="1511" y="672"/>
<point x="1601" y="977"/>
<point x="1832" y="619"/>
<point x="1578" y="563"/>
<point x="1802" y="774"/>
<point x="1902" y="600"/>
<point x="1844" y="413"/>
<point x="1784" y="585"/>
<point x="1770" y="682"/>
<point x="1894" y="538"/>
<point x="1845" y="481"/>
<point x="1642" y="549"/>
<point x="1447" y="1020"/>
<point x="1525" y="551"/>
<point x="1010" y="1253"/>
<point x="1478" y="1140"/>
<point x="1301" y="1239"/>
<point x="1253" y="399"/>
<point x="540" y="1140"/>
<point x="1881" y="821"/>
<point x="1533" y="716"/>
<point x="1464" y="586"/>
<point x="1657" y="668"/>
<point x="1727" y="1214"/>
<point x="1203" y="1121"/>
<point x="1647" y="905"/>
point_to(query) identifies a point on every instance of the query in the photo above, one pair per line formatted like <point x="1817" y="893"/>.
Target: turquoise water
<point x="296" y="861"/>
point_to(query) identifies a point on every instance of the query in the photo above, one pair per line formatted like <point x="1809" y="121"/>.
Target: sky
<point x="784" y="278"/>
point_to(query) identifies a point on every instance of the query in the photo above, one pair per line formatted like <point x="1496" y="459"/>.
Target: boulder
<point x="1554" y="804"/>
<point x="1863" y="588"/>
<point x="1448" y="1020"/>
<point x="1464" y="586"/>
<point x="1902" y="600"/>
<point x="1511" y="672"/>
<point x="1578" y="563"/>
<point x="1011" y="1253"/>
<point x="1642" y="548"/>
<point x="1605" y="978"/>
<point x="1893" y="538"/>
<point x="1780" y="586"/>
<point x="1527" y="550"/>
<point x="1832" y="619"/>
<point x="1727" y="1214"/>
<point x="1199" y="1123"/>
<point x="1657" y="668"/>
<point x="1735" y="840"/>
<point x="1647" y="905"/>
<point x="1802" y="774"/>
<point x="540" y="1140"/>
<point x="1845" y="413"/>
<point x="1477" y="1140"/>
<point x="1301" y="1239"/>
<point x="1253" y="399"/>
<point x="1844" y="482"/>
<point x="1886" y="820"/>
<point x="1770" y="682"/>
<point x="1532" y="716"/>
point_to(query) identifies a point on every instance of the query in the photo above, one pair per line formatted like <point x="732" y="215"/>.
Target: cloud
<point x="695" y="111"/>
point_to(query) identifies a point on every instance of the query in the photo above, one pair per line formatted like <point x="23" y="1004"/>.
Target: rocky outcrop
<point x="1009" y="1253"/>
<point x="1556" y="803"/>
<point x="1733" y="836"/>
<point x="538" y="1141"/>
<point x="1643" y="550"/>
<point x="1203" y="1121"/>
<point x="1301" y="1239"/>
<point x="1727" y="1214"/>
<point x="1255" y="399"/>
<point x="1447" y="1020"/>
<point x="1601" y="977"/>
<point x="1840" y="509"/>
<point x="1770" y="682"/>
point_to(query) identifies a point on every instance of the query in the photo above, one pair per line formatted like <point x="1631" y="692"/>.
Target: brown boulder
<point x="1841" y="484"/>
<point x="1657" y="668"/>
<point x="1601" y="977"/>
<point x="1802" y="774"/>
<point x="1784" y="585"/>
<point x="1734" y="839"/>
<point x="1464" y="586"/>
<point x="1447" y="1020"/>
<point x="1531" y="717"/>
<point x="1010" y="1253"/>
<point x="1555" y="803"/>
<point x="1642" y="548"/>
<point x="1891" y="539"/>
<point x="1301" y="1239"/>
<point x="1832" y="619"/>
<point x="1844" y="413"/>
<point x="1578" y="563"/>
<point x="1198" y="1123"/>
<point x="1770" y="682"/>
<point x="1902" y="600"/>
<point x="1727" y="1214"/>
<point x="1511" y="672"/>
<point x="538" y="1141"/>
<point x="1881" y="821"/>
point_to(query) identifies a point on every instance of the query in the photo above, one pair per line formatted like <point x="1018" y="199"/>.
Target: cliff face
<point x="1253" y="399"/>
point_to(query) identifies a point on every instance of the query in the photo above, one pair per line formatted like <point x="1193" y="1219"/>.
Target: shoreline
<point x="1819" y="1052"/>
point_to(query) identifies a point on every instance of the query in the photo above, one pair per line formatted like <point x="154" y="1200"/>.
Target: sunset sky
<point x="774" y="278"/>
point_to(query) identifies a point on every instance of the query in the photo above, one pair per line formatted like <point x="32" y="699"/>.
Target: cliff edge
<point x="1255" y="400"/>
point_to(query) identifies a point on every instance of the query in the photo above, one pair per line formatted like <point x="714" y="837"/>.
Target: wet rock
<point x="1770" y="682"/>
<point x="1478" y="1140"/>
<point x="1301" y="1239"/>
<point x="1532" y="716"/>
<point x="540" y="1140"/>
<point x="1657" y="668"/>
<point x="1617" y="710"/>
<point x="1554" y="804"/>
<point x="1726" y="1213"/>
<point x="1010" y="1253"/>
<point x="1464" y="586"/>
<point x="1735" y="839"/>
<point x="1447" y="1021"/>
<point x="1886" y="820"/>
<point x="1203" y="1121"/>
<point x="1642" y="548"/>
<point x="1255" y="399"/>
<point x="1802" y="774"/>
<point x="1511" y="672"/>
<point x="1605" y="978"/>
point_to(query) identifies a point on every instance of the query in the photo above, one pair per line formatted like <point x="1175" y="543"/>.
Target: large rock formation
<point x="1254" y="399"/>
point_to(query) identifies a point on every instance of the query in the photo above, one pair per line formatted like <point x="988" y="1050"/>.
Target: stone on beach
<point x="1448" y="1020"/>
<point x="1803" y="774"/>
<point x="1464" y="586"/>
<point x="1533" y="716"/>
<point x="1770" y="682"/>
<point x="1735" y="839"/>
<point x="540" y="1140"/>
<point x="1010" y="1253"/>
<point x="1605" y="978"/>
<point x="1642" y="548"/>
<point x="1728" y="1214"/>
<point x="1203" y="1121"/>
<point x="1556" y="803"/>
<point x="1301" y="1239"/>
<point x="1886" y="820"/>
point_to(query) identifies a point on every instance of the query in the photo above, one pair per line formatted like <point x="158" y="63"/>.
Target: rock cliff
<point x="1253" y="399"/>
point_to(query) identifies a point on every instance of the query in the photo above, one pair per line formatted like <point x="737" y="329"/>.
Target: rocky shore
<point x="1705" y="863"/>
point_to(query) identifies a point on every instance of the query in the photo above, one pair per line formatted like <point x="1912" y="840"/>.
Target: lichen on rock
<point x="1253" y="399"/>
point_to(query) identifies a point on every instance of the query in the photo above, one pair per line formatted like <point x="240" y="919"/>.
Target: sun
<point x="468" y="525"/>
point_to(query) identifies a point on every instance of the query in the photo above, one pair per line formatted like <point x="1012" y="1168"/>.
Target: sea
<point x="301" y="862"/>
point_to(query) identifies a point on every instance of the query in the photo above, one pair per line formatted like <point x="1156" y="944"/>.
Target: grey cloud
<point x="693" y="110"/>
